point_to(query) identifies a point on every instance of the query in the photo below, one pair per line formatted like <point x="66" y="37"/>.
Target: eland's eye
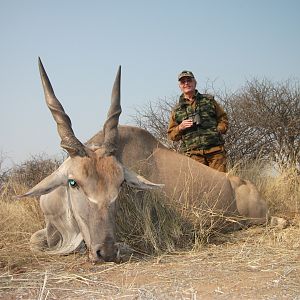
<point x="72" y="183"/>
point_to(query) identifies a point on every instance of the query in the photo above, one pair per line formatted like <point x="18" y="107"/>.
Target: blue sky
<point x="81" y="44"/>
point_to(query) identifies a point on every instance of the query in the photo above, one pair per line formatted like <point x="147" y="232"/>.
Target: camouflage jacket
<point x="210" y="122"/>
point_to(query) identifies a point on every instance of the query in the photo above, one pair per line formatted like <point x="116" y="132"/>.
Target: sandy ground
<point x="257" y="263"/>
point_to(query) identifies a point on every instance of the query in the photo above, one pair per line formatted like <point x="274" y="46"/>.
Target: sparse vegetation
<point x="19" y="219"/>
<point x="145" y="221"/>
<point x="154" y="228"/>
<point x="150" y="227"/>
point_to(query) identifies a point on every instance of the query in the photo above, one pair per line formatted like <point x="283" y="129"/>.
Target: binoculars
<point x="195" y="118"/>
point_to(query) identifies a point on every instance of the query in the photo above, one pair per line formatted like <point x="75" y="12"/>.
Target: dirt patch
<point x="257" y="263"/>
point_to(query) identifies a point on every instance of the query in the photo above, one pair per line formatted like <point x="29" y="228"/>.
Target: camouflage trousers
<point x="214" y="157"/>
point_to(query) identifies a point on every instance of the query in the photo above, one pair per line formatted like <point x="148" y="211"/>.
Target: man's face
<point x="187" y="85"/>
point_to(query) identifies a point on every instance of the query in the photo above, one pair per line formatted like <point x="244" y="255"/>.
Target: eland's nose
<point x="107" y="253"/>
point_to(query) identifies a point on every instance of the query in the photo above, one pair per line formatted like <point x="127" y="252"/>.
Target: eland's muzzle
<point x="106" y="252"/>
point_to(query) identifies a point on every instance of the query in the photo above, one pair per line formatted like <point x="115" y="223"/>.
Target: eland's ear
<point x="136" y="181"/>
<point x="51" y="182"/>
<point x="47" y="185"/>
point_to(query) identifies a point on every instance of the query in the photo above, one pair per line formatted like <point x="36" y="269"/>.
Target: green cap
<point x="185" y="73"/>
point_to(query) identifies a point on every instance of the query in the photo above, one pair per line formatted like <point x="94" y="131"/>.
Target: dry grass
<point x="283" y="193"/>
<point x="258" y="263"/>
<point x="19" y="219"/>
<point x="151" y="226"/>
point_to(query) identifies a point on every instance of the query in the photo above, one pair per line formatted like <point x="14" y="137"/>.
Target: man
<point x="199" y="122"/>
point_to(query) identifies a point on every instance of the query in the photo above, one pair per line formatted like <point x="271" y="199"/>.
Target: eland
<point x="79" y="198"/>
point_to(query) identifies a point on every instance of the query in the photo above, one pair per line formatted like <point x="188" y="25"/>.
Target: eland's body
<point x="78" y="199"/>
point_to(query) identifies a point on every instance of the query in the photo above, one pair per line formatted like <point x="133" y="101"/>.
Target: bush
<point x="22" y="177"/>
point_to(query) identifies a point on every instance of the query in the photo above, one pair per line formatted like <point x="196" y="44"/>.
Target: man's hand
<point x="185" y="124"/>
<point x="221" y="128"/>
